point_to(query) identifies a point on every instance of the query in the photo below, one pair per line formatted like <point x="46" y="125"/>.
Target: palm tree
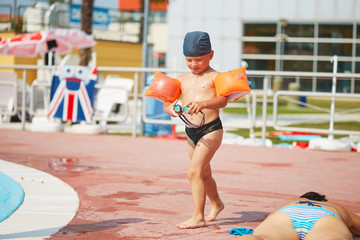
<point x="86" y="26"/>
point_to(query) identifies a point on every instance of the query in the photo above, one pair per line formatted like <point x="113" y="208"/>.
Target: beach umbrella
<point x="24" y="45"/>
<point x="66" y="39"/>
<point x="61" y="41"/>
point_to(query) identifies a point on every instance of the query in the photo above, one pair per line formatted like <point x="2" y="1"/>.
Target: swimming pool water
<point x="11" y="196"/>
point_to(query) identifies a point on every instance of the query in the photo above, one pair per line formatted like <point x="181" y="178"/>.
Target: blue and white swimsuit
<point x="303" y="217"/>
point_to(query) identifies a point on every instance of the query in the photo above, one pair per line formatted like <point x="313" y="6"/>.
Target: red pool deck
<point x="136" y="188"/>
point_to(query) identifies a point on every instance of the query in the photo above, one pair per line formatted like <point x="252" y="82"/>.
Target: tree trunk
<point x="142" y="7"/>
<point x="86" y="26"/>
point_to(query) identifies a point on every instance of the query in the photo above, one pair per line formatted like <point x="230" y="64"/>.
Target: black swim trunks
<point x="195" y="134"/>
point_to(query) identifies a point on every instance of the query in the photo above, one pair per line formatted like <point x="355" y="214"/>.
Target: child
<point x="198" y="92"/>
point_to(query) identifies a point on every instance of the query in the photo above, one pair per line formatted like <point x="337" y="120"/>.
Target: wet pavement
<point x="136" y="188"/>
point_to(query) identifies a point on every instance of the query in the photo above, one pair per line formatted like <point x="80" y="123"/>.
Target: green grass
<point x="350" y="126"/>
<point x="285" y="108"/>
<point x="128" y="134"/>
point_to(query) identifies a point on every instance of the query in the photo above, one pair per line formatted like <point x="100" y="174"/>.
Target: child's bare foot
<point x="191" y="223"/>
<point x="215" y="210"/>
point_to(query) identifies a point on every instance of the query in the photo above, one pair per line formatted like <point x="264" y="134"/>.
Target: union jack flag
<point x="72" y="93"/>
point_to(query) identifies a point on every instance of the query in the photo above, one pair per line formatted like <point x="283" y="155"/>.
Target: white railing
<point x="267" y="75"/>
<point x="331" y="131"/>
<point x="312" y="94"/>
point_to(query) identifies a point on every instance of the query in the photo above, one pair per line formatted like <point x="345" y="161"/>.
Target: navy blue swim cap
<point x="196" y="44"/>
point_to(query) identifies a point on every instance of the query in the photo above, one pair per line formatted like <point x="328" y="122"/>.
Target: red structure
<point x="135" y="5"/>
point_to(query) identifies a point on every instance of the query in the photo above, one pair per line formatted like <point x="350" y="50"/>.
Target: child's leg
<point x="211" y="188"/>
<point x="198" y="174"/>
<point x="212" y="193"/>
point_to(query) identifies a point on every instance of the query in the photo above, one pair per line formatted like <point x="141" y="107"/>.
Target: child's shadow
<point x="73" y="229"/>
<point x="246" y="216"/>
<point x="98" y="226"/>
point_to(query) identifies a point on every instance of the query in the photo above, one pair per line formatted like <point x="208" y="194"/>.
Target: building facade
<point x="274" y="35"/>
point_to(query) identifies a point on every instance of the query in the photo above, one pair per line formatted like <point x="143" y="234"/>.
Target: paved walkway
<point x="136" y="188"/>
<point x="49" y="204"/>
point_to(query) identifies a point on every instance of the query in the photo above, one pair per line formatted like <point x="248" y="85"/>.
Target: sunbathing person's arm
<point x="354" y="226"/>
<point x="351" y="219"/>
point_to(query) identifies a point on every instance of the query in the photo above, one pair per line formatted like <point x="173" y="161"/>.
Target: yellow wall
<point x="109" y="54"/>
<point x="116" y="54"/>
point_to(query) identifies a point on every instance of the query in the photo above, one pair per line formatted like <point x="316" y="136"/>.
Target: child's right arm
<point x="169" y="108"/>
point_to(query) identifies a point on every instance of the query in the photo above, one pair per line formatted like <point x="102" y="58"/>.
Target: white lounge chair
<point x="8" y="95"/>
<point x="112" y="100"/>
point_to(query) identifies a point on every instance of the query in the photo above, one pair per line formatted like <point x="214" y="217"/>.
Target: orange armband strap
<point x="232" y="84"/>
<point x="164" y="88"/>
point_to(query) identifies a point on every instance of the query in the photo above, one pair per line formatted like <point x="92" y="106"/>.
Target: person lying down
<point x="310" y="217"/>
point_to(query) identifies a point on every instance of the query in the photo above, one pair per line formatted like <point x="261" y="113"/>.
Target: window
<point x="327" y="66"/>
<point x="295" y="65"/>
<point x="331" y="49"/>
<point x="259" y="47"/>
<point x="300" y="30"/>
<point x="342" y="85"/>
<point x="303" y="49"/>
<point x="299" y="48"/>
<point x="335" y="31"/>
<point x="306" y="84"/>
<point x="357" y="68"/>
<point x="157" y="16"/>
<point x="260" y="30"/>
<point x="261" y="64"/>
<point x="324" y="66"/>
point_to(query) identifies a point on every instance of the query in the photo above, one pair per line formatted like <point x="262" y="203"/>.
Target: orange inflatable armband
<point x="232" y="84"/>
<point x="164" y="88"/>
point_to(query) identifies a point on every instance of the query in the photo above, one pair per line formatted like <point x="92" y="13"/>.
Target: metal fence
<point x="329" y="114"/>
<point x="139" y="100"/>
